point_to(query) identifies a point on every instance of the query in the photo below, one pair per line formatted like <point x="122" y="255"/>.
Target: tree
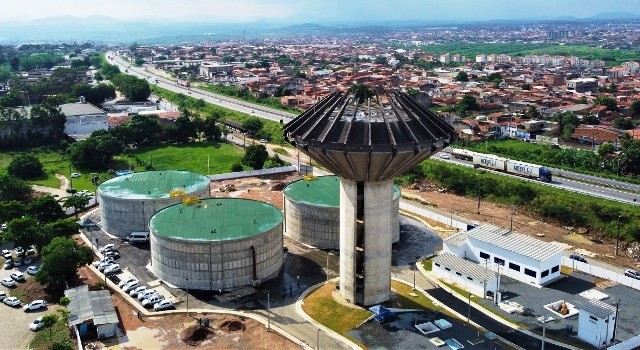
<point x="526" y="86"/>
<point x="64" y="301"/>
<point x="253" y="125"/>
<point x="255" y="156"/>
<point x="381" y="60"/>
<point x="590" y="119"/>
<point x="462" y="76"/>
<point x="133" y="88"/>
<point x="76" y="202"/>
<point x="23" y="232"/>
<point x="582" y="100"/>
<point x="275" y="162"/>
<point x="11" y="210"/>
<point x="25" y="166"/>
<point x="13" y="188"/>
<point x="45" y="209"/>
<point x="361" y="92"/>
<point x="5" y="74"/>
<point x="532" y="112"/>
<point x="623" y="123"/>
<point x="468" y="103"/>
<point x="236" y="167"/>
<point x="210" y="128"/>
<point x="60" y="228"/>
<point x="606" y="101"/>
<point x="61" y="259"/>
<point x="49" y="321"/>
<point x="635" y="109"/>
<point x="605" y="148"/>
<point x="61" y="345"/>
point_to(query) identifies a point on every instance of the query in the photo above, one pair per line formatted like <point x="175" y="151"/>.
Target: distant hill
<point x="614" y="15"/>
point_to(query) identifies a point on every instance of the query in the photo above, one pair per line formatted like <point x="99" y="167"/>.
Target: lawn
<point x="407" y="301"/>
<point x="43" y="338"/>
<point x="191" y="157"/>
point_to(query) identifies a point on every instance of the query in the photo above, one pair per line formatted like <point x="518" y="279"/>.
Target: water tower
<point x="367" y="139"/>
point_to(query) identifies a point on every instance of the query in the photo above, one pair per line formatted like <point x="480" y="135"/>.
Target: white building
<point x="83" y="119"/>
<point x="596" y="322"/>
<point x="518" y="256"/>
<point x="473" y="277"/>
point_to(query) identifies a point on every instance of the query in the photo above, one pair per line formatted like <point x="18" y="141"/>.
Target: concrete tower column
<point x="365" y="241"/>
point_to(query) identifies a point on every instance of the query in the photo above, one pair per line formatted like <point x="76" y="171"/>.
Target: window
<point x="484" y="255"/>
<point x="448" y="269"/>
<point x="437" y="264"/>
<point x="459" y="274"/>
<point x="530" y="273"/>
<point x="469" y="278"/>
<point x="555" y="269"/>
<point x="498" y="261"/>
<point x="514" y="266"/>
<point x="544" y="273"/>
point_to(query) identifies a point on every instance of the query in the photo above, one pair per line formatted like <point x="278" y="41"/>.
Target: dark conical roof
<point x="376" y="140"/>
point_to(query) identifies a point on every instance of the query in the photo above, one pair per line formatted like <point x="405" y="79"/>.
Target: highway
<point x="589" y="185"/>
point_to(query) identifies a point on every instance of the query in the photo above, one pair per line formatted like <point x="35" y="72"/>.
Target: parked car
<point x="130" y="286"/>
<point x="163" y="305"/>
<point x="107" y="247"/>
<point x="3" y="295"/>
<point x="27" y="261"/>
<point x="7" y="256"/>
<point x="75" y="175"/>
<point x="263" y="141"/>
<point x="101" y="261"/>
<point x="152" y="300"/>
<point x="577" y="258"/>
<point x="134" y="292"/>
<point x="114" y="254"/>
<point x="35" y="305"/>
<point x="12" y="301"/>
<point x="5" y="252"/>
<point x="112" y="269"/>
<point x="632" y="273"/>
<point x="31" y="251"/>
<point x="17" y="276"/>
<point x="8" y="264"/>
<point x="8" y="282"/>
<point x="37" y="324"/>
<point x="103" y="266"/>
<point x="3" y="227"/>
<point x="17" y="262"/>
<point x="19" y="251"/>
<point x="32" y="270"/>
<point x="127" y="281"/>
<point x="146" y="294"/>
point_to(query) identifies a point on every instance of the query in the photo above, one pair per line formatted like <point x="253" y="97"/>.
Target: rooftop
<point x="465" y="267"/>
<point x="216" y="219"/>
<point x="323" y="191"/>
<point x="152" y="184"/>
<point x="79" y="109"/>
<point x="599" y="309"/>
<point x="90" y="305"/>
<point x="515" y="242"/>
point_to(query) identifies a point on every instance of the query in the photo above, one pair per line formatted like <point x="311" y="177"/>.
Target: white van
<point x="138" y="237"/>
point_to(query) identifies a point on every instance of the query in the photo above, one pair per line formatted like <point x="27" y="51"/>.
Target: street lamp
<point x="544" y="320"/>
<point x="328" y="253"/>
<point x="469" y="308"/>
<point x="413" y="267"/>
<point x="187" y="297"/>
<point x="318" y="340"/>
<point x="268" y="314"/>
<point x="618" y="234"/>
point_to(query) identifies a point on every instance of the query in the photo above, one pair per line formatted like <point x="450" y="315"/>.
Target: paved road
<point x="563" y="183"/>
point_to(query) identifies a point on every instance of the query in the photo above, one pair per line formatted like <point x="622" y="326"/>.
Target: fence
<point x="601" y="272"/>
<point x="444" y="218"/>
<point x="241" y="174"/>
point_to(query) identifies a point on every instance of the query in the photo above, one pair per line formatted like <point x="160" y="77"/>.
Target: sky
<point x="298" y="11"/>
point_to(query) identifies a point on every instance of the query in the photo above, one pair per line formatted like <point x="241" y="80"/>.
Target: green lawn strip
<point x="18" y="293"/>
<point x="43" y="338"/>
<point x="428" y="263"/>
<point x="465" y="295"/>
<point x="407" y="301"/>
<point x="321" y="306"/>
<point x="191" y="157"/>
<point x="232" y="91"/>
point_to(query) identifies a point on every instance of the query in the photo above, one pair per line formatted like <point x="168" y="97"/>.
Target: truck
<point x="489" y="161"/>
<point x="183" y="82"/>
<point x="529" y="170"/>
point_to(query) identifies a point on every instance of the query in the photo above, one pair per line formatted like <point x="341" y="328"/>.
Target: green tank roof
<point x="323" y="191"/>
<point x="153" y="184"/>
<point x="215" y="219"/>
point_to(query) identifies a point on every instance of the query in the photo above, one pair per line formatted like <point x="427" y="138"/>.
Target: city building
<point x="475" y="278"/>
<point x="596" y="323"/>
<point x="582" y="85"/>
<point x="82" y="119"/>
<point x="92" y="311"/>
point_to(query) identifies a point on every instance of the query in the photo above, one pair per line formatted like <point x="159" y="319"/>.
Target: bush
<point x="236" y="167"/>
<point x="25" y="166"/>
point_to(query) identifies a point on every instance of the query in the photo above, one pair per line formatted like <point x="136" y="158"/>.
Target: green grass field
<point x="45" y="337"/>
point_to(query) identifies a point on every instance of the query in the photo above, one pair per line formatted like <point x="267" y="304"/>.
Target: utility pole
<point x="469" y="309"/>
<point x="618" y="234"/>
<point x="414" y="276"/>
<point x="327" y="266"/>
<point x="615" y="324"/>
<point x="187" y="297"/>
<point x="268" y="314"/>
<point x="318" y="340"/>
<point x="511" y="225"/>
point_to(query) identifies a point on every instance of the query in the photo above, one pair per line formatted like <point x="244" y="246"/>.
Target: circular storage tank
<point x="312" y="212"/>
<point x="219" y="243"/>
<point x="127" y="202"/>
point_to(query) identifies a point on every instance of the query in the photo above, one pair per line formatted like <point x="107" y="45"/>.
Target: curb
<point x="308" y="318"/>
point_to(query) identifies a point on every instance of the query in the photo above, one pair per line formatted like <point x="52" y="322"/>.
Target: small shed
<point x="92" y="311"/>
<point x="596" y="323"/>
<point x="382" y="313"/>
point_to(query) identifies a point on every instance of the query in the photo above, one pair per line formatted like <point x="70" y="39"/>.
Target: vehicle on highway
<point x="3" y="295"/>
<point x="17" y="276"/>
<point x="127" y="281"/>
<point x="506" y="165"/>
<point x="444" y="156"/>
<point x="146" y="294"/>
<point x="112" y="269"/>
<point x="32" y="270"/>
<point x="75" y="175"/>
<point x="8" y="264"/>
<point x="134" y="292"/>
<point x="130" y="286"/>
<point x="12" y="301"/>
<point x="152" y="300"/>
<point x="8" y="282"/>
<point x="632" y="273"/>
<point x="35" y="305"/>
<point x="163" y="305"/>
<point x="37" y="324"/>
<point x="577" y="257"/>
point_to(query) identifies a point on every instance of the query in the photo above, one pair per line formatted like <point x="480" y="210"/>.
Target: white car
<point x="163" y="305"/>
<point x="8" y="282"/>
<point x="103" y="266"/>
<point x="4" y="226"/>
<point x="19" y="251"/>
<point x="75" y="175"/>
<point x="112" y="269"/>
<point x="152" y="300"/>
<point x="35" y="305"/>
<point x="130" y="286"/>
<point x="37" y="324"/>
<point x="12" y="301"/>
<point x="127" y="281"/>
<point x="134" y="292"/>
<point x="444" y="156"/>
<point x="101" y="261"/>
<point x="107" y="247"/>
<point x="17" y="276"/>
<point x="3" y="295"/>
<point x="32" y="270"/>
<point x="146" y="294"/>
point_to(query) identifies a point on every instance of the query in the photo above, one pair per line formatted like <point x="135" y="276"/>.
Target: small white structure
<point x="557" y="306"/>
<point x="596" y="323"/>
<point x="92" y="310"/>
<point x="471" y="276"/>
<point x="518" y="256"/>
<point x="83" y="119"/>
